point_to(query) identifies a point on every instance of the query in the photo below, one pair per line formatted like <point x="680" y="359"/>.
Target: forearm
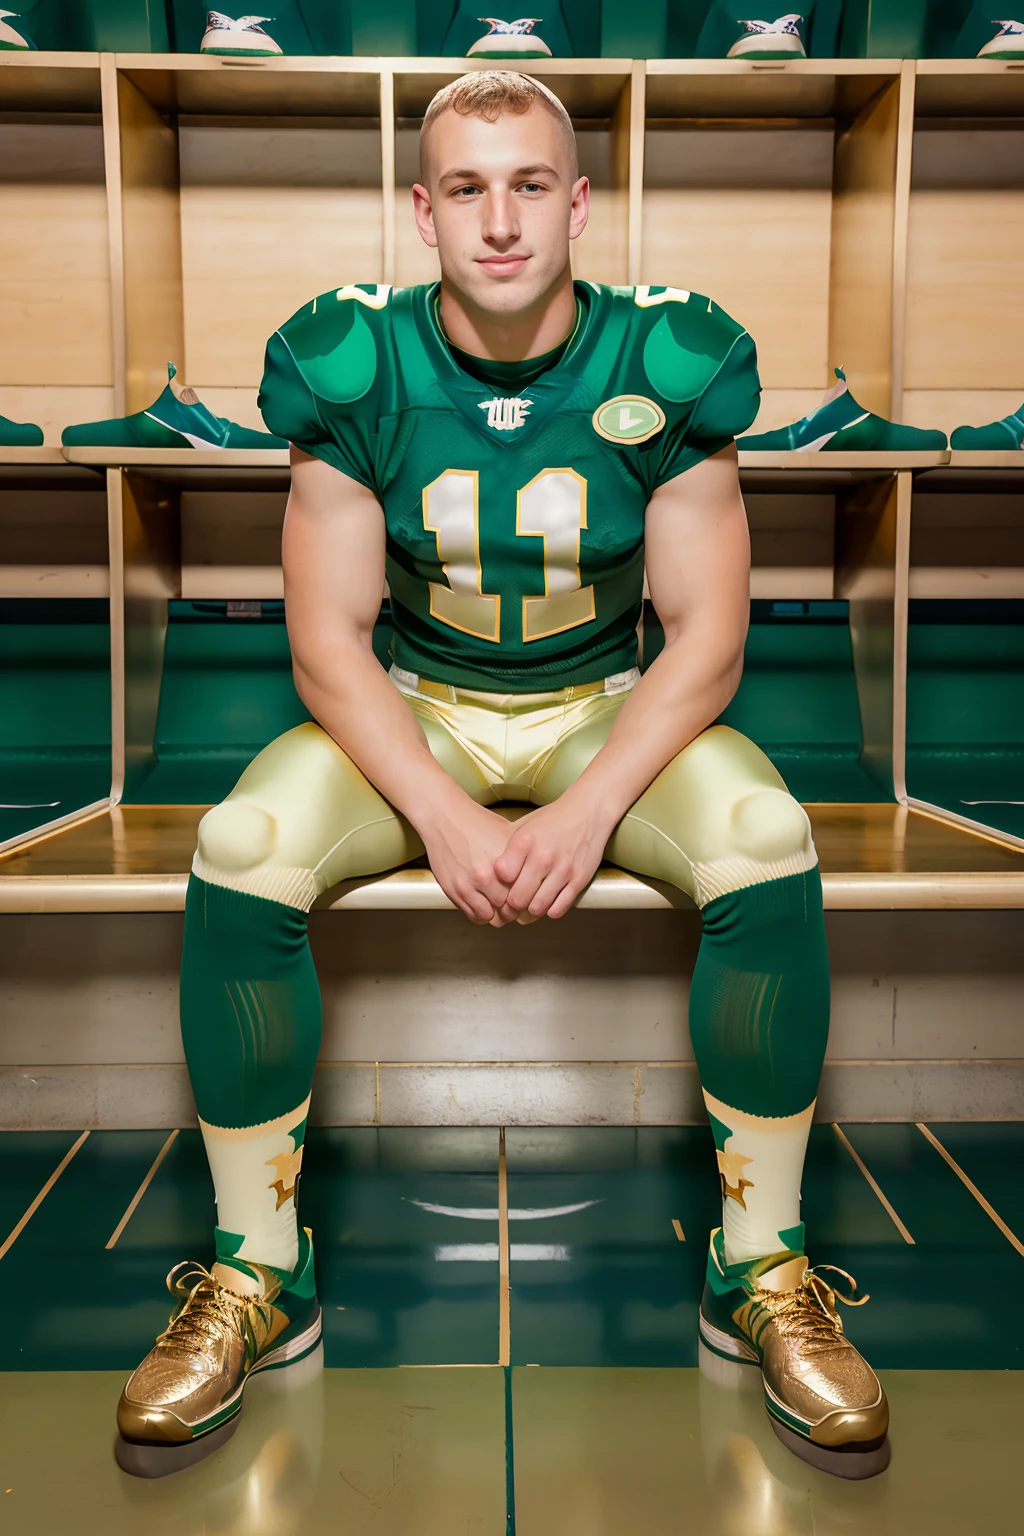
<point x="680" y="695"/>
<point x="347" y="691"/>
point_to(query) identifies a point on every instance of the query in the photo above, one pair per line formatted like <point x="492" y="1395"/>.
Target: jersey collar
<point x="506" y="422"/>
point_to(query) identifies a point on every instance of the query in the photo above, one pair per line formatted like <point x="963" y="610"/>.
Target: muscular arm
<point x="698" y="567"/>
<point x="333" y="555"/>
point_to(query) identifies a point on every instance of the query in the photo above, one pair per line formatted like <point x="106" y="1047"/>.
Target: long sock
<point x="251" y="1026"/>
<point x="759" y="1009"/>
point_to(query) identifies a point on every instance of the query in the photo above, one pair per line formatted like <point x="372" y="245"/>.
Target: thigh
<point x="302" y="808"/>
<point x="718" y="817"/>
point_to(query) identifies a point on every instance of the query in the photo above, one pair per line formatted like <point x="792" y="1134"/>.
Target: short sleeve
<point x="724" y="410"/>
<point x="287" y="401"/>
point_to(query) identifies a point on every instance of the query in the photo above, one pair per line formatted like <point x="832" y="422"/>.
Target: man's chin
<point x="507" y="295"/>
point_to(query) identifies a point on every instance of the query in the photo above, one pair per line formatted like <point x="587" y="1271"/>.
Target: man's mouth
<point x="503" y="266"/>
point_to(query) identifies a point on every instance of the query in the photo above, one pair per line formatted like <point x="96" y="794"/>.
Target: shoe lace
<point x="808" y="1312"/>
<point x="208" y="1308"/>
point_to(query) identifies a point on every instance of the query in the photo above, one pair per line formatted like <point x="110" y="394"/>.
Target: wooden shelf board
<point x="197" y="468"/>
<point x="35" y="468"/>
<point x="969" y="88"/>
<point x="976" y="471"/>
<point x="136" y="858"/>
<point x="588" y="88"/>
<point x="809" y="462"/>
<point x="944" y="582"/>
<point x="179" y="458"/>
<point x="61" y="581"/>
<point x="1010" y="458"/>
<point x="207" y="85"/>
<point x="21" y="456"/>
<point x="49" y="82"/>
<point x="269" y="466"/>
<point x="817" y="473"/>
<point x="764" y="89"/>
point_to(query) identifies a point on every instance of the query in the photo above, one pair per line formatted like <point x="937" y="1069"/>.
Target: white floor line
<point x="873" y="1182"/>
<point x="147" y="1181"/>
<point x="37" y="1202"/>
<point x="975" y="1191"/>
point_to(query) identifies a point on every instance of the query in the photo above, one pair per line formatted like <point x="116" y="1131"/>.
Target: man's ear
<point x="424" y="214"/>
<point x="579" y="211"/>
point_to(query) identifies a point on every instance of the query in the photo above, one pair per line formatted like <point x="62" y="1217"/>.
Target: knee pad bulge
<point x="237" y="835"/>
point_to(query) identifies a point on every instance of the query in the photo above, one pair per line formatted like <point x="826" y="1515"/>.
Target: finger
<point x="485" y="883"/>
<point x="508" y="865"/>
<point x="567" y="897"/>
<point x="549" y="891"/>
<point x="473" y="903"/>
<point x="522" y="893"/>
<point x="526" y="918"/>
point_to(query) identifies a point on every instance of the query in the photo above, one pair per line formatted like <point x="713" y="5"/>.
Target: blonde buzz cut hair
<point x="488" y="93"/>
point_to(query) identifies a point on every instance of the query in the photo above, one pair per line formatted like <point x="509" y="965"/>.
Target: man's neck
<point x="512" y="338"/>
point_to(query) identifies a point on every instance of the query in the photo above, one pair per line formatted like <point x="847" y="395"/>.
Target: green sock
<point x="759" y="1010"/>
<point x="251" y="1026"/>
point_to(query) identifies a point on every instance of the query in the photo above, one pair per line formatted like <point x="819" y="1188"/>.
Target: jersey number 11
<point x="553" y="507"/>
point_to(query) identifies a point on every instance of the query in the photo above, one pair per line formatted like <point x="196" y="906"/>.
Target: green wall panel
<point x="965" y="709"/>
<point x="54" y="709"/>
<point x="798" y="698"/>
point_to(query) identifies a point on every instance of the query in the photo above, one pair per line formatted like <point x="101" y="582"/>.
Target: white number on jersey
<point x="552" y="507"/>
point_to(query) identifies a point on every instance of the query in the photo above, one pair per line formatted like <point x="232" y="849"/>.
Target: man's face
<point x="500" y="204"/>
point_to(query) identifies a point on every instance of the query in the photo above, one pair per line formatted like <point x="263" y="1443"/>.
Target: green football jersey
<point x="515" y="523"/>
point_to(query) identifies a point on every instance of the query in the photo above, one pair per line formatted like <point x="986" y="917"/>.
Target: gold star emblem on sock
<point x="730" y="1169"/>
<point x="287" y="1165"/>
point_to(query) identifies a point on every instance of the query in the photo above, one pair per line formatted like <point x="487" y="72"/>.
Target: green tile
<point x="653" y="1452"/>
<point x="931" y="1303"/>
<point x="399" y="1283"/>
<point x="27" y="1159"/>
<point x="604" y="1279"/>
<point x="77" y="1304"/>
<point x="841" y="1211"/>
<point x="992" y="1156"/>
<point x="317" y="1453"/>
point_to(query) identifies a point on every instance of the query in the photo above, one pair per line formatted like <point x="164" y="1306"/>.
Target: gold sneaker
<point x="823" y="1399"/>
<point x="183" y="1401"/>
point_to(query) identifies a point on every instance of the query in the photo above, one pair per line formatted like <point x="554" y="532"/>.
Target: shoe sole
<point x="151" y="1461"/>
<point x="768" y="45"/>
<point x="855" y="1464"/>
<point x="722" y="1359"/>
<point x="725" y="1346"/>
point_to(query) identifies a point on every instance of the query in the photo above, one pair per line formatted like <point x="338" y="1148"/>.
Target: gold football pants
<point x="303" y="817"/>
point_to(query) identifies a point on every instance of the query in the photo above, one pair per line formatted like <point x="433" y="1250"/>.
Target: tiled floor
<point x="600" y="1426"/>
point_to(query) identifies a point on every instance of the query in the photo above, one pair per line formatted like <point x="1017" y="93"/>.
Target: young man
<point x="507" y="447"/>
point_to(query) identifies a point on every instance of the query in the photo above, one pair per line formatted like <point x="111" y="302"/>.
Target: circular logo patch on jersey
<point x="628" y="419"/>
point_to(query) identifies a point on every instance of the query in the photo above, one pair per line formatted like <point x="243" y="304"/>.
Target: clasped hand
<point x="500" y="872"/>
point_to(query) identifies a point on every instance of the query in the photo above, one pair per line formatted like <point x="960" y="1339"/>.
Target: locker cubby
<point x="774" y="191"/>
<point x="598" y="95"/>
<point x="248" y="186"/>
<point x="964" y="343"/>
<point x="207" y="673"/>
<point x="965" y="647"/>
<point x="55" y="746"/>
<point x="817" y="689"/>
<point x="56" y="351"/>
<point x="55" y="702"/>
<point x="798" y="698"/>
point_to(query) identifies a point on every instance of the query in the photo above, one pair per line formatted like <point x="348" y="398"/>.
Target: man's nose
<point x="501" y="218"/>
